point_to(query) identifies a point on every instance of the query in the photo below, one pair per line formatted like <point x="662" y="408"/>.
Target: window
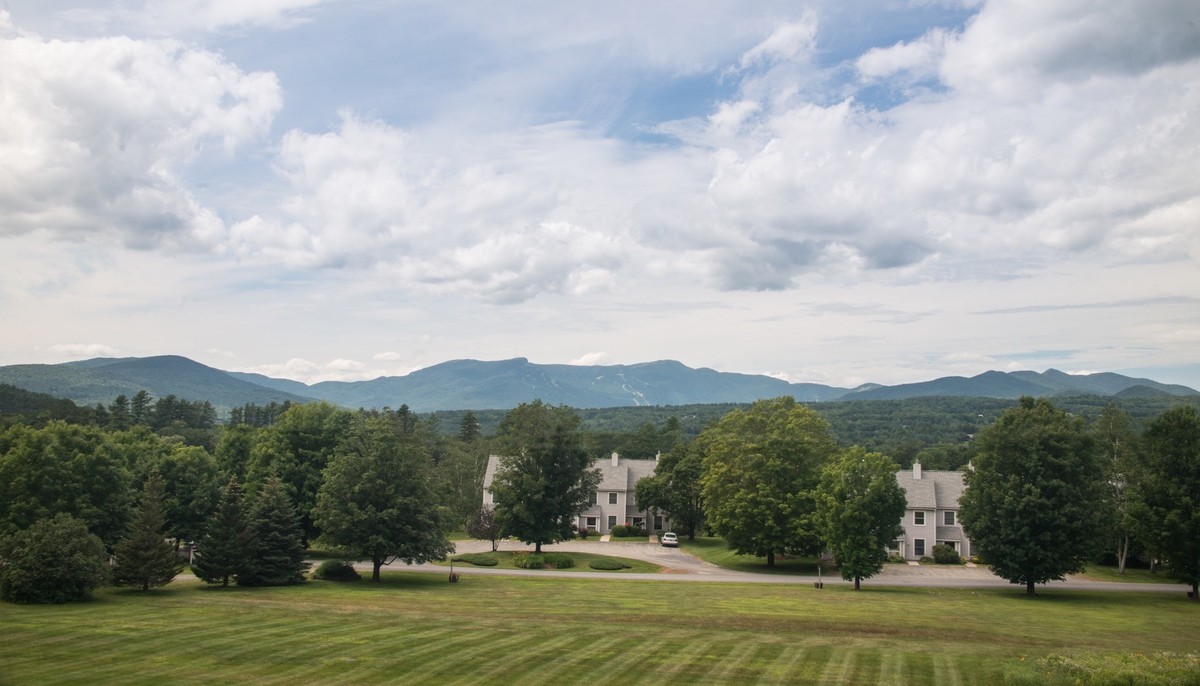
<point x="639" y="522"/>
<point x="919" y="519"/>
<point x="658" y="522"/>
<point x="919" y="547"/>
<point x="592" y="500"/>
<point x="612" y="498"/>
<point x="612" y="521"/>
<point x="591" y="522"/>
<point x="949" y="518"/>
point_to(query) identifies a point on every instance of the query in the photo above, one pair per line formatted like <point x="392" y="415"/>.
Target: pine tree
<point x="277" y="557"/>
<point x="144" y="557"/>
<point x="224" y="551"/>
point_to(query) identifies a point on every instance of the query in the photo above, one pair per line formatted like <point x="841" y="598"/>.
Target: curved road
<point x="679" y="565"/>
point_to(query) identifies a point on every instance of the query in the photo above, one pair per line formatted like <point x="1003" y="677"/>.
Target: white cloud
<point x="95" y="136"/>
<point x="85" y="349"/>
<point x="388" y="356"/>
<point x="589" y="359"/>
<point x="307" y="371"/>
<point x="919" y="58"/>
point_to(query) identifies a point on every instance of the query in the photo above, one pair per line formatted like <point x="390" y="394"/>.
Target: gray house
<point x="613" y="502"/>
<point x="932" y="514"/>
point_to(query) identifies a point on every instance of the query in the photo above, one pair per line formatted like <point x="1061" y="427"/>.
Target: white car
<point x="669" y="540"/>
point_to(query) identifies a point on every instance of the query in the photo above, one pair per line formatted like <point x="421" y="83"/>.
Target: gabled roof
<point x="622" y="477"/>
<point x="935" y="490"/>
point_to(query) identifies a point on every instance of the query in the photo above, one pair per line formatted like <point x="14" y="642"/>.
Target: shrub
<point x="559" y="560"/>
<point x="53" y="561"/>
<point x="336" y="570"/>
<point x="895" y="559"/>
<point x="946" y="555"/>
<point x="607" y="564"/>
<point x="584" y="532"/>
<point x="618" y="531"/>
<point x="541" y="560"/>
<point x="925" y="559"/>
<point x="478" y="559"/>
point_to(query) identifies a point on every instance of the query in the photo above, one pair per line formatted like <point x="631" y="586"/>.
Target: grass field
<point x="416" y="628"/>
<point x="714" y="550"/>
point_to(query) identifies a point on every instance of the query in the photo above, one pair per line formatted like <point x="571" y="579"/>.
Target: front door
<point x="612" y="521"/>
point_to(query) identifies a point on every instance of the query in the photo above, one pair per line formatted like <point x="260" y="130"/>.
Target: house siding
<point x="934" y="493"/>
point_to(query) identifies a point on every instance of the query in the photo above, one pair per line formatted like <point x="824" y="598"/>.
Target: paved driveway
<point x="679" y="565"/>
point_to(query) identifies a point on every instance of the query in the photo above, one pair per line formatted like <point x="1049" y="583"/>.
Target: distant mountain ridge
<point x="503" y="384"/>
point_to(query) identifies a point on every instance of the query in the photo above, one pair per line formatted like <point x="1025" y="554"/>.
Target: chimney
<point x="917" y="471"/>
<point x="615" y="458"/>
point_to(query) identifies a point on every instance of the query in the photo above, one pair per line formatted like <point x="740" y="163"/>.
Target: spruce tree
<point x="277" y="557"/>
<point x="144" y="557"/>
<point x="224" y="550"/>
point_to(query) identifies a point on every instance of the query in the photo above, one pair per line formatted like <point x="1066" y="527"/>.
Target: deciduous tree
<point x="545" y="479"/>
<point x="55" y="560"/>
<point x="377" y="498"/>
<point x="860" y="507"/>
<point x="1034" y="502"/>
<point x="485" y="526"/>
<point x="1170" y="494"/>
<point x="675" y="488"/>
<point x="761" y="467"/>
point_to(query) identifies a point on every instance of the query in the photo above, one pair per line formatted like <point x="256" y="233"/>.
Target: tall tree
<point x="468" y="428"/>
<point x="675" y="488"/>
<point x="1034" y="505"/>
<point x="761" y="467"/>
<point x="224" y="550"/>
<point x="64" y="468"/>
<point x="458" y="477"/>
<point x="1115" y="438"/>
<point x="545" y="479"/>
<point x="139" y="407"/>
<point x="192" y="483"/>
<point x="860" y="505"/>
<point x="144" y="557"/>
<point x="1170" y="492"/>
<point x="377" y="499"/>
<point x="277" y="555"/>
<point x="297" y="447"/>
<point x="485" y="526"/>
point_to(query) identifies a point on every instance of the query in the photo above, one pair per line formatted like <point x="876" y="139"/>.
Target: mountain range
<point x="503" y="384"/>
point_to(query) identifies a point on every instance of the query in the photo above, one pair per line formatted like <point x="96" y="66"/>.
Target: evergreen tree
<point x="224" y="551"/>
<point x="277" y="557"/>
<point x="468" y="428"/>
<point x="144" y="557"/>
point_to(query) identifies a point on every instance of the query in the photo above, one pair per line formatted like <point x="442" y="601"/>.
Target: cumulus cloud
<point x="307" y="371"/>
<point x="95" y="136"/>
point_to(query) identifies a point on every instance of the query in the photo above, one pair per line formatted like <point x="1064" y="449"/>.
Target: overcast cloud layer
<point x="837" y="192"/>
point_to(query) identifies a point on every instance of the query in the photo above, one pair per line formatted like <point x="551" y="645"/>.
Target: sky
<point x="836" y="191"/>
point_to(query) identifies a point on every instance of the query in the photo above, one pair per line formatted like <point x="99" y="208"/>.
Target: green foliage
<point x="225" y="549"/>
<point x="618" y="531"/>
<point x="458" y="476"/>
<point x="607" y="564"/>
<point x="297" y="448"/>
<point x="1116" y="441"/>
<point x="545" y="479"/>
<point x="860" y="506"/>
<point x="676" y="488"/>
<point x="277" y="555"/>
<point x="144" y="557"/>
<point x="478" y="559"/>
<point x="542" y="560"/>
<point x="1034" y="503"/>
<point x="377" y="499"/>
<point x="336" y="570"/>
<point x="895" y="559"/>
<point x="192" y="487"/>
<point x="1169" y="492"/>
<point x="63" y="468"/>
<point x="946" y="555"/>
<point x="55" y="560"/>
<point x="760" y="469"/>
<point x="485" y="526"/>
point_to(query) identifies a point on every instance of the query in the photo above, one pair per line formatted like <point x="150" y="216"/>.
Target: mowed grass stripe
<point x="891" y="669"/>
<point x="839" y="667"/>
<point x="479" y="654"/>
<point x="945" y="671"/>
<point x="528" y="658"/>
<point x="589" y="652"/>
<point x="734" y="667"/>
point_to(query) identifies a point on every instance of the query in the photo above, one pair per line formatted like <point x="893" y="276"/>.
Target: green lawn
<point x="581" y="563"/>
<point x="1134" y="576"/>
<point x="417" y="628"/>
<point x="715" y="550"/>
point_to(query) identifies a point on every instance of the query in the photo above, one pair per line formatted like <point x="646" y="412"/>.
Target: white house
<point x="613" y="502"/>
<point x="932" y="514"/>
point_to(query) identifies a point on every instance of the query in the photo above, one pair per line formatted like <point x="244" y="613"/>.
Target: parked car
<point x="669" y="540"/>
